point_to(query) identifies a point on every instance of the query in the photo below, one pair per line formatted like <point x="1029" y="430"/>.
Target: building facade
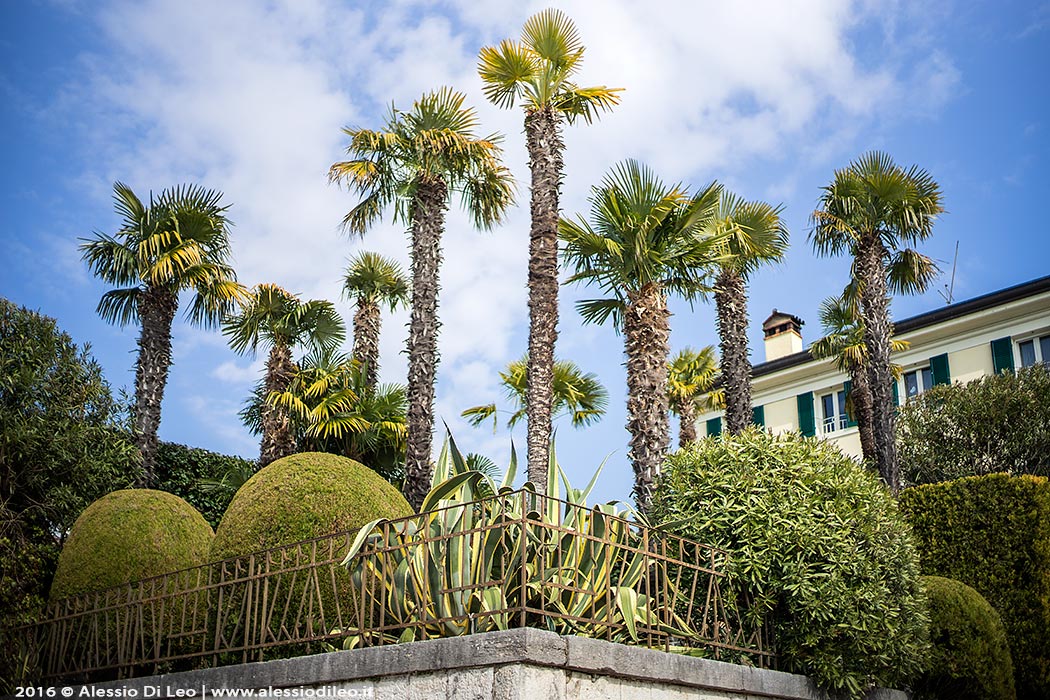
<point x="956" y="343"/>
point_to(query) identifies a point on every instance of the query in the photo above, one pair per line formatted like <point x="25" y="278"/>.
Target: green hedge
<point x="993" y="533"/>
<point x="818" y="542"/>
<point x="180" y="470"/>
<point x="971" y="658"/>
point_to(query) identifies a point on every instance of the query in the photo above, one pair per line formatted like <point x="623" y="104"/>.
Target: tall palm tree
<point x="910" y="272"/>
<point x="276" y="317"/>
<point x="177" y="241"/>
<point x="373" y="282"/>
<point x="870" y="211"/>
<point x="755" y="235"/>
<point x="413" y="165"/>
<point x="577" y="394"/>
<point x="644" y="241"/>
<point x="690" y="379"/>
<point x="538" y="71"/>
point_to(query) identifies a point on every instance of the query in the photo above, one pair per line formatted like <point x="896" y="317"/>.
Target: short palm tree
<point x="276" y="317"/>
<point x="577" y="394"/>
<point x="538" y="72"/>
<point x="870" y="211"/>
<point x="413" y="165"/>
<point x="332" y="410"/>
<point x="909" y="273"/>
<point x="644" y="241"/>
<point x="373" y="282"/>
<point x="690" y="379"/>
<point x="177" y="241"/>
<point x="754" y="236"/>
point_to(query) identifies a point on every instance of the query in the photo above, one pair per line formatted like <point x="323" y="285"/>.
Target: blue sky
<point x="249" y="98"/>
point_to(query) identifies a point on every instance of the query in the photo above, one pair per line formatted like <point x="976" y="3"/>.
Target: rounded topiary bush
<point x="303" y="496"/>
<point x="815" y="542"/>
<point x="129" y="535"/>
<point x="970" y="658"/>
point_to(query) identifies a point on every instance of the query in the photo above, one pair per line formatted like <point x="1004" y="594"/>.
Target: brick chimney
<point x="783" y="335"/>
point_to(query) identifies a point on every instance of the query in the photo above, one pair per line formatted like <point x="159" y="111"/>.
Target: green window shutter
<point x="939" y="369"/>
<point x="850" y="421"/>
<point x="807" y="423"/>
<point x="896" y="394"/>
<point x="1002" y="355"/>
<point x="714" y="427"/>
<point x="758" y="416"/>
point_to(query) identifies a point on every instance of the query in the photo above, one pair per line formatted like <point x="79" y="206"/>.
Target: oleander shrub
<point x="993" y="533"/>
<point x="129" y="535"/>
<point x="998" y="423"/>
<point x="816" y="542"/>
<point x="970" y="658"/>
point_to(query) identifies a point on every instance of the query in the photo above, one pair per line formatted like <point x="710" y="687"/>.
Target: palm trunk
<point x="368" y="321"/>
<point x="871" y="273"/>
<point x="686" y="422"/>
<point x="731" y="303"/>
<point x="543" y="134"/>
<point x="646" y="337"/>
<point x="428" y="221"/>
<point x="860" y="394"/>
<point x="157" y="307"/>
<point x="278" y="439"/>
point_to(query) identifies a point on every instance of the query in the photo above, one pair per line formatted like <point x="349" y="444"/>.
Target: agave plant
<point x="481" y="556"/>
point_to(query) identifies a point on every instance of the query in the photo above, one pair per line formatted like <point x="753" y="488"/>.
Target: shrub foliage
<point x="970" y="658"/>
<point x="993" y="533"/>
<point x="817" y="542"/>
<point x="185" y="471"/>
<point x="994" y="424"/>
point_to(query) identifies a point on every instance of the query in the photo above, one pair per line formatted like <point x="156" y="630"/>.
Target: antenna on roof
<point x="949" y="292"/>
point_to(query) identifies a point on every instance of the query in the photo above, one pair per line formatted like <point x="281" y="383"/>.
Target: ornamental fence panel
<point x="516" y="559"/>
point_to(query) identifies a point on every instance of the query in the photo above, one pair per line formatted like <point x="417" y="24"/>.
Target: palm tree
<point x="373" y="282"/>
<point x="644" y="241"/>
<point x="910" y="272"/>
<point x="538" y="71"/>
<point x="577" y="394"/>
<point x="754" y="236"/>
<point x="869" y="211"/>
<point x="690" y="379"/>
<point x="413" y="165"/>
<point x="278" y="318"/>
<point x="178" y="241"/>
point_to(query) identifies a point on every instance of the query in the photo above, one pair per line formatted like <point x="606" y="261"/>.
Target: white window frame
<point x="1035" y="339"/>
<point x="920" y="372"/>
<point x="839" y="421"/>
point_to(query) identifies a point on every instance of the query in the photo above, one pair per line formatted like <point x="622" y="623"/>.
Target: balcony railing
<point x="512" y="560"/>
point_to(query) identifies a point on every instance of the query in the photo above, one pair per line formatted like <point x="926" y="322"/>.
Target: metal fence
<point x="512" y="560"/>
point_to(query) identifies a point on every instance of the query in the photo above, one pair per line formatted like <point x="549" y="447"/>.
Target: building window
<point x="834" y="408"/>
<point x="1034" y="350"/>
<point x="917" y="381"/>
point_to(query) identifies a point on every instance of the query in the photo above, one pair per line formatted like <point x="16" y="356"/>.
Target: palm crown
<point x="754" y="233"/>
<point x="278" y="317"/>
<point x="690" y="376"/>
<point x="374" y="279"/>
<point x="641" y="232"/>
<point x="875" y="196"/>
<point x="578" y="394"/>
<point x="179" y="240"/>
<point x="433" y="141"/>
<point x="538" y="70"/>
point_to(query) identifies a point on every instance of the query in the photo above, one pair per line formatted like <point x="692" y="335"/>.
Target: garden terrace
<point x="511" y="560"/>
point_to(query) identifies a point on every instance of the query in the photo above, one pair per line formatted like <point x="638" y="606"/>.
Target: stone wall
<point x="523" y="664"/>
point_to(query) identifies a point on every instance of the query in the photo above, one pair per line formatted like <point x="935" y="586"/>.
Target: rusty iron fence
<point x="512" y="560"/>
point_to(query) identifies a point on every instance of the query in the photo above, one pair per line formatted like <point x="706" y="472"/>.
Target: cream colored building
<point x="955" y="343"/>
